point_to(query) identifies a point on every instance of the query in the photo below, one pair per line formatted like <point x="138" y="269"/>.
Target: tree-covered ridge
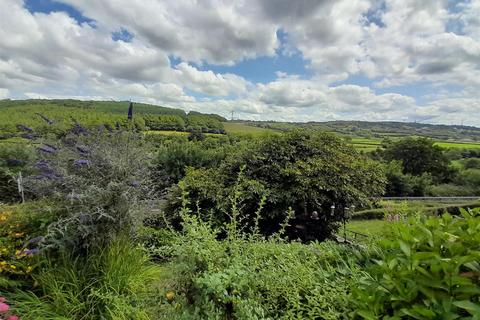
<point x="381" y="129"/>
<point x="26" y="117"/>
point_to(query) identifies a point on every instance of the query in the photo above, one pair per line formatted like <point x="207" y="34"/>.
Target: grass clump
<point x="109" y="284"/>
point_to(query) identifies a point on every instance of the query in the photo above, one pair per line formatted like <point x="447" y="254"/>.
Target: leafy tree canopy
<point x="420" y="156"/>
<point x="304" y="170"/>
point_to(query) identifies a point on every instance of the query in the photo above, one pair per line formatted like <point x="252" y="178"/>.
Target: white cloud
<point x="392" y="42"/>
<point x="213" y="30"/>
<point x="207" y="82"/>
<point x="4" y="93"/>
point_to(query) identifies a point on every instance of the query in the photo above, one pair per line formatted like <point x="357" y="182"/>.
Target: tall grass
<point x="108" y="284"/>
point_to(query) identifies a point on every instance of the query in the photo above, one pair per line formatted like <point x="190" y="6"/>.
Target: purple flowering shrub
<point x="96" y="179"/>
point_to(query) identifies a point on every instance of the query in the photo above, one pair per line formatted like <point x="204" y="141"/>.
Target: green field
<point x="242" y="128"/>
<point x="366" y="144"/>
<point x="368" y="227"/>
<point x="167" y="133"/>
<point x="461" y="145"/>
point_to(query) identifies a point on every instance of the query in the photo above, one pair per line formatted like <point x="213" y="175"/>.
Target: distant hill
<point x="26" y="117"/>
<point x="380" y="130"/>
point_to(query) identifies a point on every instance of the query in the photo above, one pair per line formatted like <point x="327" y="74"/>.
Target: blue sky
<point x="283" y="60"/>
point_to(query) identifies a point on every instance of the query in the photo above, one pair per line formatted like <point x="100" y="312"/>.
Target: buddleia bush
<point x="97" y="179"/>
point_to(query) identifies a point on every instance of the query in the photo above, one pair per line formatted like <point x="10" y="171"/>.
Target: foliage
<point x="430" y="271"/>
<point x="247" y="277"/>
<point x="469" y="178"/>
<point x="97" y="180"/>
<point x="39" y="117"/>
<point x="164" y="122"/>
<point x="404" y="185"/>
<point x="14" y="158"/>
<point x="472" y="163"/>
<point x="450" y="190"/>
<point x="112" y="283"/>
<point x="174" y="158"/>
<point x="303" y="170"/>
<point x="21" y="230"/>
<point x="4" y="310"/>
<point x="419" y="156"/>
<point x="204" y="123"/>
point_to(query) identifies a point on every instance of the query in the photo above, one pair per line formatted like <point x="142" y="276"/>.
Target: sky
<point x="303" y="60"/>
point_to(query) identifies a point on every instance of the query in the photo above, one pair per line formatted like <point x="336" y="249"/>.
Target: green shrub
<point x="472" y="163"/>
<point x="97" y="180"/>
<point x="469" y="178"/>
<point x="431" y="271"/>
<point x="450" y="190"/>
<point x="307" y="171"/>
<point x="248" y="277"/>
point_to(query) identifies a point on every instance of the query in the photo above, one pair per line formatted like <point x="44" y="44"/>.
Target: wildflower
<point x="36" y="239"/>
<point x="31" y="251"/>
<point x="83" y="150"/>
<point x="170" y="296"/>
<point x="28" y="136"/>
<point x="81" y="163"/>
<point x="24" y="128"/>
<point x="4" y="307"/>
<point x="13" y="318"/>
<point x="2" y="299"/>
<point x="42" y="165"/>
<point x="78" y="129"/>
<point x="135" y="184"/>
<point x="47" y="148"/>
<point x="44" y="118"/>
<point x="49" y="176"/>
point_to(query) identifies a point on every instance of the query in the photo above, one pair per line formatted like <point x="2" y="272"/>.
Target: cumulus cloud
<point x="390" y="43"/>
<point x="207" y="82"/>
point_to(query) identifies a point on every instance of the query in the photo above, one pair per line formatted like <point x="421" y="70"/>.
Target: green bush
<point x="430" y="271"/>
<point x="404" y="185"/>
<point x="98" y="181"/>
<point x="304" y="170"/>
<point x="173" y="159"/>
<point x="473" y="163"/>
<point x="450" y="190"/>
<point x="470" y="178"/>
<point x="247" y="277"/>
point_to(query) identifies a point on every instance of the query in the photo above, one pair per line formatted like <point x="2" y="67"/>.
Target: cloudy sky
<point x="302" y="60"/>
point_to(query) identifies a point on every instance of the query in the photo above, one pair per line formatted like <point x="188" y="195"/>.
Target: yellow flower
<point x="12" y="267"/>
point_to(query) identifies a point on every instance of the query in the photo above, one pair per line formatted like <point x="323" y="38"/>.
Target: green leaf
<point x="367" y="315"/>
<point x="405" y="248"/>
<point x="471" y="307"/>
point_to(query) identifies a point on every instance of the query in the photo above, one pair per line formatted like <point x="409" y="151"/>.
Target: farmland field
<point x="242" y="128"/>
